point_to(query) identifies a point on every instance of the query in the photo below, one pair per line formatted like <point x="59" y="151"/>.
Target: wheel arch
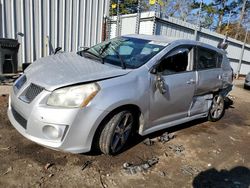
<point x="135" y="109"/>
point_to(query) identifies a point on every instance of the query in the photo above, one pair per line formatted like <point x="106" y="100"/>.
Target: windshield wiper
<point x="92" y="54"/>
<point x="120" y="57"/>
<point x="102" y="50"/>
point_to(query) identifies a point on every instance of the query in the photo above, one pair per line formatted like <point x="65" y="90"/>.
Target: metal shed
<point x="151" y="23"/>
<point x="42" y="25"/>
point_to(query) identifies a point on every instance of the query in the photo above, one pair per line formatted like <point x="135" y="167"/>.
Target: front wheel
<point x="116" y="132"/>
<point x="217" y="108"/>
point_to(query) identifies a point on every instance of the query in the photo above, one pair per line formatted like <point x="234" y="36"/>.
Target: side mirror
<point x="222" y="45"/>
<point x="57" y="50"/>
<point x="153" y="70"/>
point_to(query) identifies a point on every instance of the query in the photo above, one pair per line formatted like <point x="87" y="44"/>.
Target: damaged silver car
<point x="98" y="97"/>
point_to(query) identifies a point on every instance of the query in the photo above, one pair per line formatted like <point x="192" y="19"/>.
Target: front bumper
<point x="78" y="125"/>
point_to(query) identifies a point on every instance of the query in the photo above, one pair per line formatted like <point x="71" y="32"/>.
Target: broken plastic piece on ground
<point x="86" y="164"/>
<point x="165" y="137"/>
<point x="148" y="142"/>
<point x="8" y="170"/>
<point x="51" y="175"/>
<point x="189" y="170"/>
<point x="48" y="165"/>
<point x="143" y="167"/>
<point x="231" y="97"/>
<point x="162" y="173"/>
<point x="177" y="149"/>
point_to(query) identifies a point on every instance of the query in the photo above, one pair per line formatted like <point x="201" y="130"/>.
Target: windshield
<point x="126" y="52"/>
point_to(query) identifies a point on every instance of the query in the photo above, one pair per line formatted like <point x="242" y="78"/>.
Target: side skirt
<point x="172" y="123"/>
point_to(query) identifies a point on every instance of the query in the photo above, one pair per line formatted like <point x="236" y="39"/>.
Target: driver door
<point x="172" y="86"/>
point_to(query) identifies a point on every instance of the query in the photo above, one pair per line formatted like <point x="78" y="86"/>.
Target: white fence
<point x="47" y="24"/>
<point x="172" y="27"/>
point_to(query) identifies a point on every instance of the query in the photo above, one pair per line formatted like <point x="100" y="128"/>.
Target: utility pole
<point x="241" y="55"/>
<point x="137" y="30"/>
<point x="118" y="19"/>
<point x="155" y="14"/>
<point x="198" y="24"/>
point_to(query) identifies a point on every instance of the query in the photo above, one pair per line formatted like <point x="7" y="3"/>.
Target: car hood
<point x="64" y="69"/>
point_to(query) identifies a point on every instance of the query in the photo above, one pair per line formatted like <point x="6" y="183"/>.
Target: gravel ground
<point x="202" y="154"/>
<point x="5" y="90"/>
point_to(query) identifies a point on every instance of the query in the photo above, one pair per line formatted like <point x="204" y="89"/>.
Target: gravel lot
<point x="202" y="154"/>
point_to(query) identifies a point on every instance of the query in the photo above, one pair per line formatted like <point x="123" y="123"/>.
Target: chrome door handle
<point x="191" y="81"/>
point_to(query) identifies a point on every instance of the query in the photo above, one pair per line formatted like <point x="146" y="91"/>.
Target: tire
<point x="217" y="108"/>
<point x="116" y="132"/>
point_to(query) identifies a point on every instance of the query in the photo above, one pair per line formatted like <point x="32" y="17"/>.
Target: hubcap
<point x="217" y="107"/>
<point x="122" y="132"/>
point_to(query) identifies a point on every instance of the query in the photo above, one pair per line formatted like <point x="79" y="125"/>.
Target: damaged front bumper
<point x="71" y="130"/>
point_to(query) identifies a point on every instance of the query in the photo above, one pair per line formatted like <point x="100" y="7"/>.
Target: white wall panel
<point x="47" y="24"/>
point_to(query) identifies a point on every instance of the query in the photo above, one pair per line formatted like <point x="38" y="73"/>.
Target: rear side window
<point x="207" y="59"/>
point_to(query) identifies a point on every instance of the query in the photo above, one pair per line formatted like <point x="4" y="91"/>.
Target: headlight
<point x="75" y="96"/>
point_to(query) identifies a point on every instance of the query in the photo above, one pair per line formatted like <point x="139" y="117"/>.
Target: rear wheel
<point x="116" y="132"/>
<point x="217" y="108"/>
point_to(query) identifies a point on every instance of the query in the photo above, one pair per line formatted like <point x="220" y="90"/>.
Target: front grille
<point x="19" y="118"/>
<point x="31" y="92"/>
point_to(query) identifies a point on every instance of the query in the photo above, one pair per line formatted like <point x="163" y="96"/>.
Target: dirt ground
<point x="211" y="155"/>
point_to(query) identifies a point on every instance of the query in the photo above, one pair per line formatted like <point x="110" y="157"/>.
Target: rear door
<point x="208" y="66"/>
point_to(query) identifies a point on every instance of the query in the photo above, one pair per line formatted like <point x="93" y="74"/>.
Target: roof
<point x="165" y="39"/>
<point x="158" y="38"/>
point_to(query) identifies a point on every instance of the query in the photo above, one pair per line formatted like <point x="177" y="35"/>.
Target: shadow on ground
<point x="238" y="177"/>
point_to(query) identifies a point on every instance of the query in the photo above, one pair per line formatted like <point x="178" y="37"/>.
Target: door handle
<point x="191" y="81"/>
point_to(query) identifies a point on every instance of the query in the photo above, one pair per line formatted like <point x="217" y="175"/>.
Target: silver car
<point x="247" y="81"/>
<point x="97" y="97"/>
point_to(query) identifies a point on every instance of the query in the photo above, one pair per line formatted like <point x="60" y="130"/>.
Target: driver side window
<point x="178" y="60"/>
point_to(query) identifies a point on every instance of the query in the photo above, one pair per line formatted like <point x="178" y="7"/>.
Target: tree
<point x="128" y="6"/>
<point x="179" y="8"/>
<point x="214" y="13"/>
<point x="231" y="31"/>
<point x="245" y="7"/>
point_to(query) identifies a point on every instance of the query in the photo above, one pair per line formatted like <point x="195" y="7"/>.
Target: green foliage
<point x="231" y="31"/>
<point x="128" y="6"/>
<point x="214" y="15"/>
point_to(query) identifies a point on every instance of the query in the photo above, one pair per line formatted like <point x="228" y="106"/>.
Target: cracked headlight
<point x="74" y="96"/>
